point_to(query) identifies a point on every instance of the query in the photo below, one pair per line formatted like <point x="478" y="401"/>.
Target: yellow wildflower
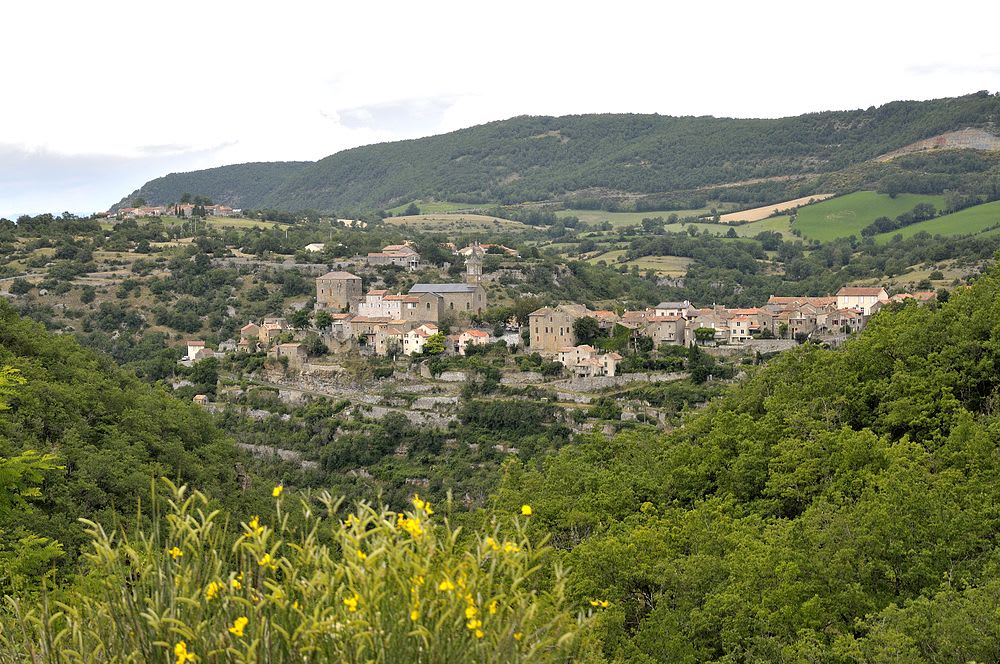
<point x="235" y="584"/>
<point x="352" y="602"/>
<point x="276" y="491"/>
<point x="493" y="608"/>
<point x="510" y="547"/>
<point x="603" y="603"/>
<point x="175" y="553"/>
<point x="350" y="520"/>
<point x="411" y="526"/>
<point x="417" y="502"/>
<point x="518" y="636"/>
<point x="414" y="615"/>
<point x="255" y="526"/>
<point x="239" y="625"/>
<point x="418" y="580"/>
<point x="267" y="561"/>
<point x="492" y="543"/>
<point x="480" y="633"/>
<point x="474" y="624"/>
<point x="182" y="654"/>
<point x="295" y="604"/>
<point x="526" y="510"/>
<point x="362" y="555"/>
<point x="470" y="612"/>
<point x="212" y="590"/>
<point x="446" y="585"/>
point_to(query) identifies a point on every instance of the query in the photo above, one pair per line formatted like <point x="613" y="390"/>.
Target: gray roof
<point x="444" y="288"/>
<point x="673" y="305"/>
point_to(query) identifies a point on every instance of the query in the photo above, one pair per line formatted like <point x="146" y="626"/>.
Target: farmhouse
<point x="584" y="361"/>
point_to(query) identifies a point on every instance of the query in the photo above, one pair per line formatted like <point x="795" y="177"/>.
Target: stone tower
<point x="474" y="265"/>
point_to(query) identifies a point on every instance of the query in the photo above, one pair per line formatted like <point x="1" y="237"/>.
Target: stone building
<point x="336" y="291"/>
<point x="551" y="328"/>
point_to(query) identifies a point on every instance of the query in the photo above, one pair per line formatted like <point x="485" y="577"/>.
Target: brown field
<point x="756" y="214"/>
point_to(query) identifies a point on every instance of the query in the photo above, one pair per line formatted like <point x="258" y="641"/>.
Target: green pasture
<point x="844" y="216"/>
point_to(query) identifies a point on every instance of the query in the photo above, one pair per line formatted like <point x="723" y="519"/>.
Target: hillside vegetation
<point x="643" y="161"/>
<point x="839" y="506"/>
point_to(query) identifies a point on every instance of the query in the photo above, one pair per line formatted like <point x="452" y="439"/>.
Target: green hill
<point x="638" y="161"/>
<point x="847" y="215"/>
<point x="969" y="221"/>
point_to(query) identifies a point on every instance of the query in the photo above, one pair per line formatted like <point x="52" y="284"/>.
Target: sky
<point x="96" y="98"/>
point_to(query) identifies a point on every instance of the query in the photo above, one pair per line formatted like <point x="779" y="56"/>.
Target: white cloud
<point x="224" y="82"/>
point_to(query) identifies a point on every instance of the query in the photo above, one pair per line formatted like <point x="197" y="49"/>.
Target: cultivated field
<point x="969" y="221"/>
<point x="780" y="224"/>
<point x="760" y="213"/>
<point x="844" y="216"/>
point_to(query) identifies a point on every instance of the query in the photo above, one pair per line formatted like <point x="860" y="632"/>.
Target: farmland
<point x="622" y="219"/>
<point x="847" y="215"/>
<point x="760" y="213"/>
<point x="965" y="222"/>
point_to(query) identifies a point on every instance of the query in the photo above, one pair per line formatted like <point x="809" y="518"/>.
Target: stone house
<point x="454" y="298"/>
<point x="551" y="328"/>
<point x="414" y="340"/>
<point x="586" y="362"/>
<point x="270" y="329"/>
<point x="335" y="291"/>
<point x="295" y="353"/>
<point x="400" y="255"/>
<point x="665" y="330"/>
<point x="861" y="298"/>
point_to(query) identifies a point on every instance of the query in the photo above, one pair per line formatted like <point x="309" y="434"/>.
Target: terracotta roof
<point x="859" y="291"/>
<point x="477" y="333"/>
<point x="194" y="343"/>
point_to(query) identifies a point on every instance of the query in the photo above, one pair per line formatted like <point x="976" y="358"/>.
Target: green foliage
<point x="310" y="587"/>
<point x="111" y="432"/>
<point x="525" y="158"/>
<point x="834" y="507"/>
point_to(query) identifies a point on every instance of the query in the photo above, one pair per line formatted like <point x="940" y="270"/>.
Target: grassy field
<point x="436" y="207"/>
<point x="964" y="222"/>
<point x="780" y="224"/>
<point x="620" y="219"/>
<point x="609" y="257"/>
<point x="672" y="266"/>
<point x="847" y="215"/>
<point x="452" y="222"/>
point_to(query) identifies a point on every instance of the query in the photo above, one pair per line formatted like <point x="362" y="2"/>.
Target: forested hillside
<point x="584" y="156"/>
<point x="108" y="435"/>
<point x="839" y="506"/>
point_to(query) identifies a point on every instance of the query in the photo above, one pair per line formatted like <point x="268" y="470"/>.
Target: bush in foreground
<point x="378" y="586"/>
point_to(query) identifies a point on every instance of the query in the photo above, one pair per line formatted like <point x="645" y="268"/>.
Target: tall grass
<point x="378" y="586"/>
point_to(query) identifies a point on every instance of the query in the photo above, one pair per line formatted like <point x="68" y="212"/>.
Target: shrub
<point x="378" y="586"/>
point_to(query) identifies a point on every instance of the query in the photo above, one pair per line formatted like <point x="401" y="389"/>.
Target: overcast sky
<point x="98" y="97"/>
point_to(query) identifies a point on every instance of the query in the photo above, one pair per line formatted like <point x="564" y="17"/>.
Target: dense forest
<point x="572" y="157"/>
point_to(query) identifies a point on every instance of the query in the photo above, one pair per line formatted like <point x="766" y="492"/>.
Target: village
<point x="437" y="318"/>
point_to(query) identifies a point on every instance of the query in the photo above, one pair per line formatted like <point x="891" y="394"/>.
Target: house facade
<point x="337" y="290"/>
